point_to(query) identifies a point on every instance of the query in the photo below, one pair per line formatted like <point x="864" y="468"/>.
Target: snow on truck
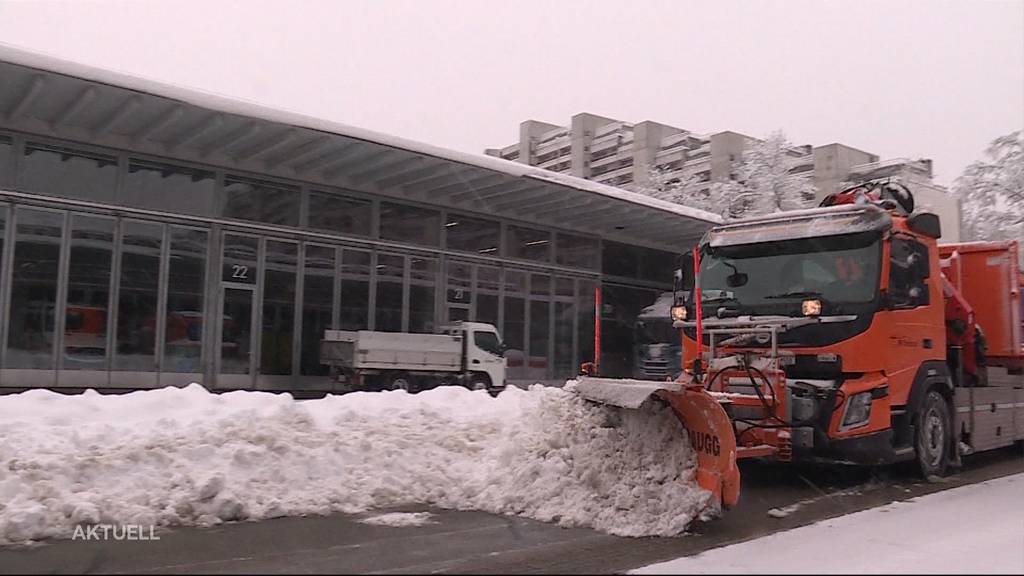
<point x="467" y="354"/>
<point x="842" y="334"/>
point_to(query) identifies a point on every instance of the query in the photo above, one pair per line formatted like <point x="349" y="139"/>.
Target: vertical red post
<point x="597" y="329"/>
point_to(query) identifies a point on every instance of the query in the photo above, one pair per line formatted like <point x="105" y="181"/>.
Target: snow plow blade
<point x="707" y="425"/>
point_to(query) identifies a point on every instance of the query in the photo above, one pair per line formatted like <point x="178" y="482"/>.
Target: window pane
<point x="422" y="282"/>
<point x="487" y="341"/>
<point x="472" y="234"/>
<point x="186" y="286"/>
<point x="657" y="265"/>
<point x="34" y="289"/>
<point x="620" y="307"/>
<point x="578" y="251"/>
<point x="170" y="188"/>
<point x="236" y="340"/>
<point x="515" y="323"/>
<point x="460" y="283"/>
<point x="488" y="281"/>
<point x="261" y="201"/>
<point x="340" y="214"/>
<point x="278" y="309"/>
<point x="585" y="320"/>
<point x="389" y="292"/>
<point x="240" y="259"/>
<point x="317" y="306"/>
<point x="59" y="171"/>
<point x="6" y="155"/>
<point x="137" y="298"/>
<point x="564" y="287"/>
<point x="409" y="224"/>
<point x="619" y="259"/>
<point x="565" y="364"/>
<point x="85" y="320"/>
<point x="528" y="244"/>
<point x="540" y="331"/>
<point x="540" y="285"/>
<point x="355" y="290"/>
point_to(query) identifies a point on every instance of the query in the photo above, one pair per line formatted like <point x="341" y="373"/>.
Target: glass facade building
<point x="149" y="252"/>
<point x="235" y="282"/>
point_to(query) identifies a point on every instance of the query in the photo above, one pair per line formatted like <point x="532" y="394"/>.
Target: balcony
<point x="694" y="163"/>
<point x="666" y="156"/>
<point x="551" y="162"/>
<point x="553" y="146"/>
<point x="612" y="159"/>
<point x="605" y="177"/>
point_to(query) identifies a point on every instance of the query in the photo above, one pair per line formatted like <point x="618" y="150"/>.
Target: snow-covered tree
<point x="670" y="185"/>
<point x="992" y="191"/>
<point x="762" y="184"/>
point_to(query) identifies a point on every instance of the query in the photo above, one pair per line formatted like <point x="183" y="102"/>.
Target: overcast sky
<point x="930" y="78"/>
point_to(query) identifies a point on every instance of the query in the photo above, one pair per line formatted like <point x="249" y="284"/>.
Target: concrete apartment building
<point x="625" y="155"/>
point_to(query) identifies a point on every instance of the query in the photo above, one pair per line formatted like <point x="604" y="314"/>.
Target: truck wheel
<point x="401" y="382"/>
<point x="933" y="435"/>
<point x="479" y="383"/>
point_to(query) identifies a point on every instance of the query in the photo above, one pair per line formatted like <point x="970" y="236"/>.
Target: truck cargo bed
<point x="366" y="350"/>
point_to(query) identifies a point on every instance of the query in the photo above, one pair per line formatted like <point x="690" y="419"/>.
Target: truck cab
<point x="483" y="354"/>
<point x="856" y="299"/>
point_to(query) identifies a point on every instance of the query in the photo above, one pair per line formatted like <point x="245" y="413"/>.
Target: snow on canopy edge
<point x="234" y="105"/>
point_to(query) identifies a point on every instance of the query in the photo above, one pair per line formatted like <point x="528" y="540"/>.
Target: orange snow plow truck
<point x="844" y="333"/>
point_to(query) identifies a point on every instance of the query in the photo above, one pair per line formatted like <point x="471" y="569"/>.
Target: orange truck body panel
<point x="989" y="277"/>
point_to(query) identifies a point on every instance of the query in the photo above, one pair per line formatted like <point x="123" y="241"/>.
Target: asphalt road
<point x="475" y="542"/>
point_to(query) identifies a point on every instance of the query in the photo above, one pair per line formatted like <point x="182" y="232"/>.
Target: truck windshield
<point x="774" y="277"/>
<point x="488" y="342"/>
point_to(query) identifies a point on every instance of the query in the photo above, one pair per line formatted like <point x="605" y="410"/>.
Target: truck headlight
<point x="678" y="313"/>
<point x="812" y="307"/>
<point x="858" y="410"/>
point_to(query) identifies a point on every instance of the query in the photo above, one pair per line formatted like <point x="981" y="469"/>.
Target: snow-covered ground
<point x="174" y="457"/>
<point x="975" y="529"/>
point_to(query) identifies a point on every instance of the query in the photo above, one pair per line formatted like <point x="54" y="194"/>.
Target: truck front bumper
<point x="872" y="449"/>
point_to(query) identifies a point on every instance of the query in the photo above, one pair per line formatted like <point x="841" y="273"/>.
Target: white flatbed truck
<point x="468" y="354"/>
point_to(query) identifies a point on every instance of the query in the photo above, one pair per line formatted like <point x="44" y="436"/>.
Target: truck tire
<point x="401" y="382"/>
<point x="479" y="383"/>
<point x="933" y="435"/>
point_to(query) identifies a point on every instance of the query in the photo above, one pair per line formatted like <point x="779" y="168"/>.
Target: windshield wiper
<point x="798" y="294"/>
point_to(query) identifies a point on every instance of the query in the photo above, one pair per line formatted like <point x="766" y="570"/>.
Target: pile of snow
<point x="974" y="529"/>
<point x="174" y="457"/>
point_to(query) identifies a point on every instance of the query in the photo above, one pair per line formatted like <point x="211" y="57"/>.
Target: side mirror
<point x="926" y="223"/>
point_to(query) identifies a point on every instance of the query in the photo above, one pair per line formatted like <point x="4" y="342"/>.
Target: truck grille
<point x="654" y="368"/>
